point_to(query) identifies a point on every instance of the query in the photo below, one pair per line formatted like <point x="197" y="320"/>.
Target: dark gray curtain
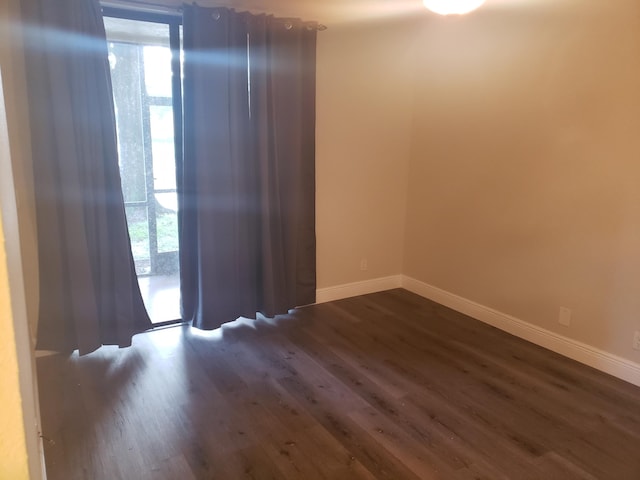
<point x="247" y="183"/>
<point x="89" y="295"/>
<point x="283" y="93"/>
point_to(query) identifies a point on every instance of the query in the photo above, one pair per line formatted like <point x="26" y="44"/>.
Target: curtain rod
<point x="150" y="7"/>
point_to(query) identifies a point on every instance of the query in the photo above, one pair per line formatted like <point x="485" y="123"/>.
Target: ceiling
<point x="326" y="11"/>
<point x="332" y="12"/>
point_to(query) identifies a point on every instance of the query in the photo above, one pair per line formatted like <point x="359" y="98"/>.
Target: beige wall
<point x="363" y="144"/>
<point x="524" y="187"/>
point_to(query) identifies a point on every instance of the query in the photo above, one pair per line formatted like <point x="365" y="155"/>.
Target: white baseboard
<point x="347" y="290"/>
<point x="581" y="352"/>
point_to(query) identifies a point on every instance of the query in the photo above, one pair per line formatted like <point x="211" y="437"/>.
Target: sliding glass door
<point x="145" y="71"/>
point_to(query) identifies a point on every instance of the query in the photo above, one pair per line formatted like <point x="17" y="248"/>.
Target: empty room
<point x="320" y="239"/>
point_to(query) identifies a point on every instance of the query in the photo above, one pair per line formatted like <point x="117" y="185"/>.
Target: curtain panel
<point x="247" y="182"/>
<point x="89" y="295"/>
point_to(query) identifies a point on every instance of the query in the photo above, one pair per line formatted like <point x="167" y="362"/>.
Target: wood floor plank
<point x="382" y="386"/>
<point x="348" y="433"/>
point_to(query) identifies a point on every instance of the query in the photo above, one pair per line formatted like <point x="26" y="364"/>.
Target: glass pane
<point x="167" y="221"/>
<point x="139" y="233"/>
<point x="124" y="59"/>
<point x="157" y="71"/>
<point x="136" y="32"/>
<point x="162" y="146"/>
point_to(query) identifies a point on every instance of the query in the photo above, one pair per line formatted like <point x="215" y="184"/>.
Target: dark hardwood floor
<point x="384" y="386"/>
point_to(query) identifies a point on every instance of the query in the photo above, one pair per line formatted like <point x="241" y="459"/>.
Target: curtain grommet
<point x="215" y="15"/>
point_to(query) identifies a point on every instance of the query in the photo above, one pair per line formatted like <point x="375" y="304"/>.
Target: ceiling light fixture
<point x="452" y="7"/>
